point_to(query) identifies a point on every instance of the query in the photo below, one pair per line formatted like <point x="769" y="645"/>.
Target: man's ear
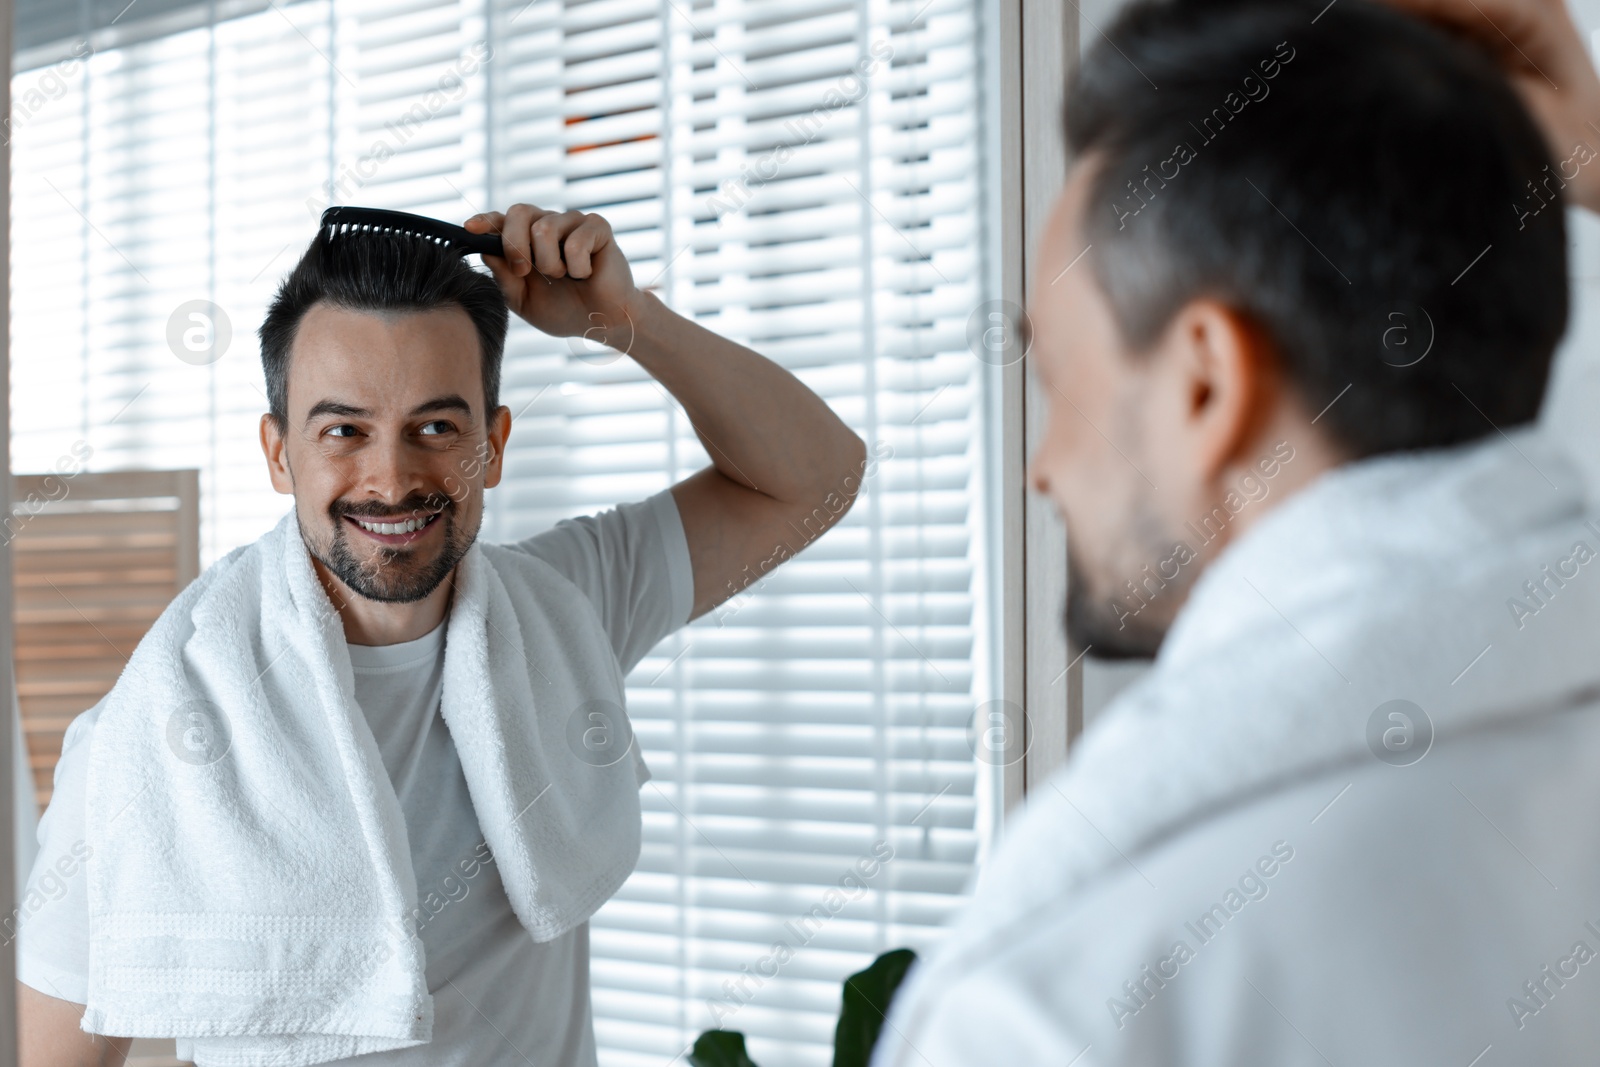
<point x="273" y="447"/>
<point x="499" y="430"/>
<point x="1224" y="375"/>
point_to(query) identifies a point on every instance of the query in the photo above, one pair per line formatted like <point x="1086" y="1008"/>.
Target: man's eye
<point x="447" y="427"/>
<point x="342" y="426"/>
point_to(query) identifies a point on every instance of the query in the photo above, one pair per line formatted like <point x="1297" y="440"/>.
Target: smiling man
<point x="1349" y="814"/>
<point x="263" y="894"/>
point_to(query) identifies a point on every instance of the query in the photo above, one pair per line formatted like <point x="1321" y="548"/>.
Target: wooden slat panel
<point x="101" y="485"/>
<point x="98" y="556"/>
<point x="63" y="579"/>
<point x="53" y="601"/>
<point x="59" y="559"/>
<point x="45" y="724"/>
<point x="106" y="524"/>
<point x="51" y="709"/>
<point x="96" y="615"/>
<point x="46" y="651"/>
<point x="95" y="542"/>
<point x="77" y="639"/>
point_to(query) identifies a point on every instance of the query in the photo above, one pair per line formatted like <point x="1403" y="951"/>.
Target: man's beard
<point x="1093" y="623"/>
<point x="1115" y="624"/>
<point x="393" y="575"/>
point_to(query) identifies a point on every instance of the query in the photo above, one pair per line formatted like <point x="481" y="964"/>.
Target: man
<point x="382" y="361"/>
<point x="1350" y="814"/>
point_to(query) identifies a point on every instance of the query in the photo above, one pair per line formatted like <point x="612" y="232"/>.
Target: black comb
<point x="341" y="220"/>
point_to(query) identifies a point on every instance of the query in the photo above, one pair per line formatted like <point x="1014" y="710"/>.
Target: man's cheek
<point x="1072" y="486"/>
<point x="1086" y="505"/>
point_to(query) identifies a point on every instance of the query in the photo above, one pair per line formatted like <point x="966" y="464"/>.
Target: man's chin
<point x="1101" y="634"/>
<point x="400" y="590"/>
<point x="393" y="576"/>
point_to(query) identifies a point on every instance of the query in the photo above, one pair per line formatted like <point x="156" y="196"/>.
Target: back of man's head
<point x="381" y="272"/>
<point x="1358" y="184"/>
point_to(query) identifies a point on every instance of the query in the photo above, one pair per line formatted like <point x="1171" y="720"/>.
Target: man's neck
<point x="377" y="622"/>
<point x="1313" y="455"/>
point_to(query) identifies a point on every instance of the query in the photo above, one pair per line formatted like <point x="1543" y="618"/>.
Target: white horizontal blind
<point x="145" y="178"/>
<point x="811" y="729"/>
<point x="826" y="713"/>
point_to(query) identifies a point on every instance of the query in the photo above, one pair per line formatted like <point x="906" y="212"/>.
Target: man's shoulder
<point x="226" y="584"/>
<point x="537" y="584"/>
<point x="1358" y="815"/>
<point x="1404" y="888"/>
<point x="514" y="562"/>
<point x="585" y="553"/>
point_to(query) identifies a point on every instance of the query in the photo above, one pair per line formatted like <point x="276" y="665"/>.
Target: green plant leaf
<point x="720" y="1048"/>
<point x="866" y="1003"/>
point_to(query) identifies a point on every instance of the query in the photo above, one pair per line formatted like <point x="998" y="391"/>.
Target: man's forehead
<point x="1065" y="222"/>
<point x="1060" y="252"/>
<point x="377" y="363"/>
<point x="326" y="321"/>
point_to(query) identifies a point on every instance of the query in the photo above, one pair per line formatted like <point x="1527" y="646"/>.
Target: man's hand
<point x="1544" y="58"/>
<point x="564" y="273"/>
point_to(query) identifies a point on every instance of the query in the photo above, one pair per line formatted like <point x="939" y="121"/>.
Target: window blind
<point x="802" y="176"/>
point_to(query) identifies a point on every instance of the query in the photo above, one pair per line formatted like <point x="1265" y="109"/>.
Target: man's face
<point x="386" y="426"/>
<point x="1105" y="450"/>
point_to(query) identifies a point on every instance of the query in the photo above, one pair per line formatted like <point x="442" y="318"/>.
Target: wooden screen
<point x="97" y="557"/>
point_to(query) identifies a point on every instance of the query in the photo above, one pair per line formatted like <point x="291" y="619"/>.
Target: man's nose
<point x="1036" y="476"/>
<point x="389" y="473"/>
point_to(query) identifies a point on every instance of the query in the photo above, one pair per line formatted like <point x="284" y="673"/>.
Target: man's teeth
<point x="397" y="527"/>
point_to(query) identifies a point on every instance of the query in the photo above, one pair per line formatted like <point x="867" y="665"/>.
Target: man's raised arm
<point x="784" y="466"/>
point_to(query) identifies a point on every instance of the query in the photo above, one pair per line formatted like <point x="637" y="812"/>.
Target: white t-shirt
<point x="501" y="999"/>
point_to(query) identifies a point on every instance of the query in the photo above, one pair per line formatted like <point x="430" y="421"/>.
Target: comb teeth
<point x="338" y="229"/>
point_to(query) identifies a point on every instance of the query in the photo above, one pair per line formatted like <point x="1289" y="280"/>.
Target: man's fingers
<point x="549" y="230"/>
<point x="592" y="234"/>
<point x="486" y="222"/>
<point x="555" y="244"/>
<point x="495" y="222"/>
<point x="520" y="219"/>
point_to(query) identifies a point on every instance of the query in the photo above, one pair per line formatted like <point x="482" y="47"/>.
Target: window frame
<point x="1042" y="673"/>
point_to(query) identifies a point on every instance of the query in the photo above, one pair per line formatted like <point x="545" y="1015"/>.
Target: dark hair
<point x="1344" y="175"/>
<point x="365" y="271"/>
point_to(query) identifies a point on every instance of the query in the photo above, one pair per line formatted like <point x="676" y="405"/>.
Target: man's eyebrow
<point x="450" y="402"/>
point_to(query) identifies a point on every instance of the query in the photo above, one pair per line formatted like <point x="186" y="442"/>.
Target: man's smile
<point x="397" y="531"/>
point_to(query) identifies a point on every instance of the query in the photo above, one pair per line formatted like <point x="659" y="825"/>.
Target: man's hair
<point x="1357" y="185"/>
<point x="380" y="272"/>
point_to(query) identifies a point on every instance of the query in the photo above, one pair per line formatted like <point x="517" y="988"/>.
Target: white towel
<point x="252" y="885"/>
